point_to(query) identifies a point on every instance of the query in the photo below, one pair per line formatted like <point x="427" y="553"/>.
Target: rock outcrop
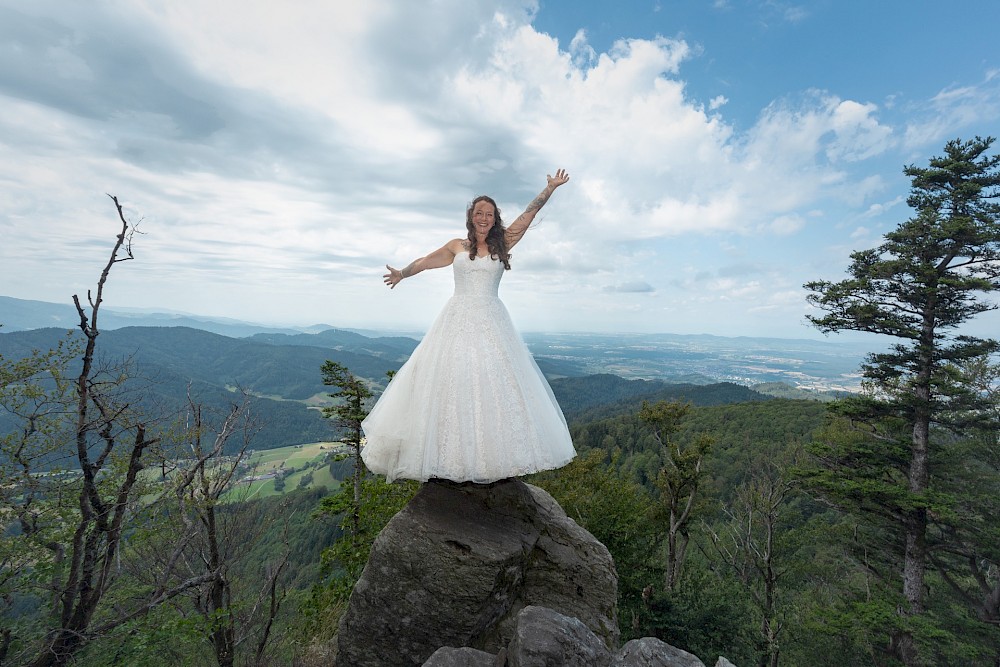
<point x="651" y="652"/>
<point x="457" y="566"/>
<point x="447" y="656"/>
<point x="546" y="638"/>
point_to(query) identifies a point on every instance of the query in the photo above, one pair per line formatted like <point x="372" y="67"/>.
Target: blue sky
<point x="721" y="153"/>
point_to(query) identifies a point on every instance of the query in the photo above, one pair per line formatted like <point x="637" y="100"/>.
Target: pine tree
<point x="348" y="414"/>
<point x="929" y="277"/>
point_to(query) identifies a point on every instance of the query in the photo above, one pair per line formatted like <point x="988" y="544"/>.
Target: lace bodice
<point x="478" y="277"/>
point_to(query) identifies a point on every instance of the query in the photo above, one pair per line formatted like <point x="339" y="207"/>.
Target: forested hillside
<point x="394" y="348"/>
<point x="281" y="371"/>
<point x="164" y="365"/>
<point x="168" y="362"/>
<point x="603" y="395"/>
<point x="289" y="371"/>
<point x="744" y="494"/>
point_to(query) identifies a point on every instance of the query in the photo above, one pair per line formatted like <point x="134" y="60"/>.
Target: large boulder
<point x="460" y="561"/>
<point x="651" y="652"/>
<point x="446" y="656"/>
<point x="545" y="637"/>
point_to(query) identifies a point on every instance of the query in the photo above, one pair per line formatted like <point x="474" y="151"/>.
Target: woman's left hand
<point x="557" y="180"/>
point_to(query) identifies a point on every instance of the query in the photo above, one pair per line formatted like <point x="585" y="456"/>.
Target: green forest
<point x="773" y="531"/>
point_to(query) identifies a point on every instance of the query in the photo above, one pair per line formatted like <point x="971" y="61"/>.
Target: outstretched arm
<point x="523" y="221"/>
<point x="443" y="256"/>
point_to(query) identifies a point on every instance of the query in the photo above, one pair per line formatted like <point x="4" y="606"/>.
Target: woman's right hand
<point x="393" y="277"/>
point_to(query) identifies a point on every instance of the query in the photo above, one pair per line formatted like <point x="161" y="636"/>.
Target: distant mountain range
<point x="592" y="375"/>
<point x="802" y="364"/>
<point x="282" y="373"/>
<point x="24" y="315"/>
<point x="167" y="362"/>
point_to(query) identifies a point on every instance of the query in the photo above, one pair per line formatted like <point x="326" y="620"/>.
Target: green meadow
<point x="296" y="462"/>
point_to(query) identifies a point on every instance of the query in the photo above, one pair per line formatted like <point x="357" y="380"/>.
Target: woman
<point x="470" y="404"/>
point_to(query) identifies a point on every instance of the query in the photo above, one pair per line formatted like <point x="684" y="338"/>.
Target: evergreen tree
<point x="348" y="414"/>
<point x="363" y="509"/>
<point x="927" y="279"/>
<point x="966" y="542"/>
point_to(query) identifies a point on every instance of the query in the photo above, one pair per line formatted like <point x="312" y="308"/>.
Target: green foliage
<point x="601" y="396"/>
<point x="35" y="397"/>
<point x="351" y="394"/>
<point x="341" y="564"/>
<point x="619" y="513"/>
<point x="703" y="614"/>
<point x="380" y="501"/>
<point x="169" y="636"/>
<point x="174" y="634"/>
<point x="682" y="464"/>
<point x="348" y="413"/>
<point x="926" y="279"/>
<point x="678" y="479"/>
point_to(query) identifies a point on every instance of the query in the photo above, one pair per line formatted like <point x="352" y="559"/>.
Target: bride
<point x="470" y="404"/>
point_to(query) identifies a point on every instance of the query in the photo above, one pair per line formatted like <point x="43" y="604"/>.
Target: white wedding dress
<point x="470" y="404"/>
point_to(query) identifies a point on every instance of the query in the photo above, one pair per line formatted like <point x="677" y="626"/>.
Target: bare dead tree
<point x="111" y="448"/>
<point x="748" y="545"/>
<point x="75" y="515"/>
<point x="101" y="425"/>
<point x="210" y="525"/>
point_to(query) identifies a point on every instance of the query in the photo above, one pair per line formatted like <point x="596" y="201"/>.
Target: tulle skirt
<point x="469" y="405"/>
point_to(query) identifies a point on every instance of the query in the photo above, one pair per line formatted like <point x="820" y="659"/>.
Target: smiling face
<point x="483" y="218"/>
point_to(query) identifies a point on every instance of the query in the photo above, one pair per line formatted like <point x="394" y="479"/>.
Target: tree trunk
<point x="59" y="650"/>
<point x="670" y="575"/>
<point x="356" y="509"/>
<point x="222" y="635"/>
<point x="915" y="554"/>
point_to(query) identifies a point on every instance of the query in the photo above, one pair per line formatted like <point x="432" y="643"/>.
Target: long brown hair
<point x="496" y="239"/>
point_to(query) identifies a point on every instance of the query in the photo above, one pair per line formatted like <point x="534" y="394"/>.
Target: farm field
<point x="302" y="460"/>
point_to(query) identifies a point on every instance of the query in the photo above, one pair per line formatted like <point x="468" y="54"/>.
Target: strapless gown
<point x="470" y="404"/>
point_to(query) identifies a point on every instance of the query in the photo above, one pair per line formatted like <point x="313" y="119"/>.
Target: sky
<point x="276" y="156"/>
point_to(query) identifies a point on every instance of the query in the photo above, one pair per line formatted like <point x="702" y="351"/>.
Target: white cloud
<point x="880" y="208"/>
<point x="953" y="111"/>
<point x="820" y="124"/>
<point x="784" y="225"/>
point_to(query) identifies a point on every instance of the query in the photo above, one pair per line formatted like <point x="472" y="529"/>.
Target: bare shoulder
<point x="456" y="246"/>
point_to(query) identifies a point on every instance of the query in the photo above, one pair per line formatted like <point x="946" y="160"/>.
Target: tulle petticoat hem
<point x="467" y="479"/>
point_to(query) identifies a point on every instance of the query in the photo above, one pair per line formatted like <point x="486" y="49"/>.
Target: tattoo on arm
<point x="539" y="201"/>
